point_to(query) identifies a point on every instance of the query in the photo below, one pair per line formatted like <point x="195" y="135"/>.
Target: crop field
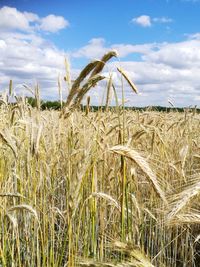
<point x="107" y="188"/>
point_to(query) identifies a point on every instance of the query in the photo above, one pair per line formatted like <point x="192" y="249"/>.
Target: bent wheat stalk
<point x="24" y="207"/>
<point x="142" y="163"/>
<point x="102" y="62"/>
<point x="132" y="85"/>
<point x="183" y="199"/>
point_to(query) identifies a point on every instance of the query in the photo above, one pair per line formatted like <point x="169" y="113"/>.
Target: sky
<point x="157" y="41"/>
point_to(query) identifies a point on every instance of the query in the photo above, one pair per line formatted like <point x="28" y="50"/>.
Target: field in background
<point x="115" y="187"/>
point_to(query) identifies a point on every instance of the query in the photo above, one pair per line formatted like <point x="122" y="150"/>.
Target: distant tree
<point x="51" y="105"/>
<point x="32" y="101"/>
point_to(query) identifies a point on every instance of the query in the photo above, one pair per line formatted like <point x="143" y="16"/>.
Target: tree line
<point x="56" y="105"/>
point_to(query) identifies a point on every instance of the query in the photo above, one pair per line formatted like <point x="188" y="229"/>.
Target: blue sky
<point x="158" y="42"/>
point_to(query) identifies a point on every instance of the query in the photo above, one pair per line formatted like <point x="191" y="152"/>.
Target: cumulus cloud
<point x="26" y="56"/>
<point x="53" y="23"/>
<point x="12" y="19"/>
<point x="147" y="21"/>
<point x="95" y="48"/>
<point x="27" y="60"/>
<point x="143" y="20"/>
<point x="180" y="55"/>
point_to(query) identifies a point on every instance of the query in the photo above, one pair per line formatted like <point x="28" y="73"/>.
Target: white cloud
<point x="147" y="21"/>
<point x="25" y="56"/>
<point x="31" y="17"/>
<point x="127" y="49"/>
<point x="177" y="55"/>
<point x="53" y="23"/>
<point x="12" y="19"/>
<point x="94" y="49"/>
<point x="25" y="59"/>
<point x="143" y="20"/>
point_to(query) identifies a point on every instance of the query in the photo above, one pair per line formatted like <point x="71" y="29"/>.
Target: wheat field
<point x="105" y="188"/>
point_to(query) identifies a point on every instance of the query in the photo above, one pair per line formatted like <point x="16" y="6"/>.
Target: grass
<point x="106" y="188"/>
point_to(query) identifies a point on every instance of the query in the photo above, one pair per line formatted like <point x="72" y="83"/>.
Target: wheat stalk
<point x="109" y="85"/>
<point x="87" y="86"/>
<point x="76" y="84"/>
